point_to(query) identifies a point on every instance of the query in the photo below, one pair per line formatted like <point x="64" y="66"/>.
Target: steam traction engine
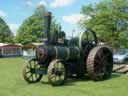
<point x="61" y="59"/>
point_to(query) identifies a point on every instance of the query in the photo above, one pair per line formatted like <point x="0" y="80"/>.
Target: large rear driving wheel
<point x="100" y="63"/>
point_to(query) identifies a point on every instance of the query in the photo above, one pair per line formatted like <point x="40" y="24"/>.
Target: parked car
<point x="121" y="56"/>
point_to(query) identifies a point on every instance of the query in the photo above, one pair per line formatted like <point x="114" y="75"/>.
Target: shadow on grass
<point x="115" y="75"/>
<point x="72" y="80"/>
<point x="87" y="78"/>
<point x="45" y="82"/>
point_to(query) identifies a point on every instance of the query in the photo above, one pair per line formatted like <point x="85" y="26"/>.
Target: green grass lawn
<point x="13" y="84"/>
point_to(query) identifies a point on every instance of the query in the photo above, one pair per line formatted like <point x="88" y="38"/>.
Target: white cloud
<point x="13" y="27"/>
<point x="73" y="19"/>
<point x="60" y="3"/>
<point x="42" y="2"/>
<point x="30" y="4"/>
<point x="2" y="13"/>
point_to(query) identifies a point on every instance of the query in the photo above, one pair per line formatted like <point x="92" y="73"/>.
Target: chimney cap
<point x="48" y="14"/>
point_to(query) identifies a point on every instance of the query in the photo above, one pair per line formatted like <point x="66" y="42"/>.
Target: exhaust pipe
<point x="47" y="25"/>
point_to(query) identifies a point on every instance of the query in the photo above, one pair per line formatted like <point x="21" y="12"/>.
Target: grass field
<point x="13" y="84"/>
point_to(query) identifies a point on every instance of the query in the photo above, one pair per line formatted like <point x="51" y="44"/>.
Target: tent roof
<point x="33" y="45"/>
<point x="6" y="44"/>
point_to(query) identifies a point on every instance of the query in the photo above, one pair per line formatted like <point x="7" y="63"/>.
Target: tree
<point x="32" y="28"/>
<point x="109" y="19"/>
<point x="6" y="36"/>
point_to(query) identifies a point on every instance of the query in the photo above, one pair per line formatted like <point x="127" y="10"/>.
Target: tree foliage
<point x="32" y="28"/>
<point x="6" y="36"/>
<point x="109" y="19"/>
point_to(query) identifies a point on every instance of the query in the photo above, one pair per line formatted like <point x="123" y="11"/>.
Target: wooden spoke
<point x="36" y="76"/>
<point x="30" y="76"/>
<point x="28" y="72"/>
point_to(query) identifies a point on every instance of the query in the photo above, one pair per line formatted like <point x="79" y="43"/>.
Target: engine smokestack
<point x="47" y="24"/>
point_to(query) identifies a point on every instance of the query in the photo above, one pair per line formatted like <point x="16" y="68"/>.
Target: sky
<point x="66" y="12"/>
